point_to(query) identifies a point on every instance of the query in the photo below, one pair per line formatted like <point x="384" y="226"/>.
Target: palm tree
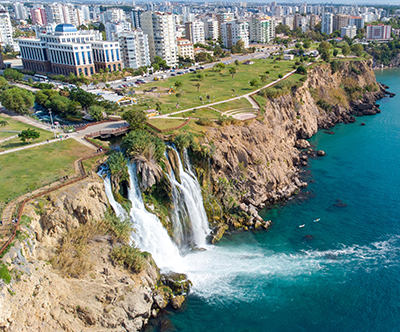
<point x="3" y="123"/>
<point x="232" y="71"/>
<point x="178" y="95"/>
<point x="178" y="85"/>
<point x="158" y="106"/>
<point x="198" y="87"/>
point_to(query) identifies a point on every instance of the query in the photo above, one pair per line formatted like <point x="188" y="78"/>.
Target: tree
<point x="237" y="62"/>
<point x="233" y="72"/>
<point x="13" y="75"/>
<point x="306" y="44"/>
<point x="198" y="87"/>
<point x="41" y="97"/>
<point x="178" y="95"/>
<point x="200" y="76"/>
<point x="301" y="70"/>
<point x="96" y="112"/>
<point x="3" y="123"/>
<point x="178" y="85"/>
<point x="28" y="134"/>
<point x="17" y="100"/>
<point x="358" y="49"/>
<point x="325" y="55"/>
<point x="3" y="82"/>
<point x="137" y="119"/>
<point x="158" y="106"/>
<point x="346" y="50"/>
<point x="254" y="83"/>
<point x="264" y="78"/>
<point x="335" y="52"/>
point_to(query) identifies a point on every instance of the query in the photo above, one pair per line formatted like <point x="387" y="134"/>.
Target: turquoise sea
<point x="341" y="273"/>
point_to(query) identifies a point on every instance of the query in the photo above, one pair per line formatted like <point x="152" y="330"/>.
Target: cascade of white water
<point x="193" y="201"/>
<point x="118" y="209"/>
<point x="150" y="235"/>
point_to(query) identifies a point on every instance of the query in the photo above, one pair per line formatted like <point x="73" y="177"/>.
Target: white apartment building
<point x="262" y="30"/>
<point x="20" y="11"/>
<point x="160" y="28"/>
<point x="134" y="47"/>
<point x="194" y="31"/>
<point x="185" y="48"/>
<point x="54" y="13"/>
<point x="68" y="50"/>
<point x="211" y="28"/>
<point x="327" y="23"/>
<point x="232" y="32"/>
<point x="113" y="14"/>
<point x="289" y="21"/>
<point x="112" y="29"/>
<point x="224" y="18"/>
<point x="6" y="30"/>
<point x="349" y="31"/>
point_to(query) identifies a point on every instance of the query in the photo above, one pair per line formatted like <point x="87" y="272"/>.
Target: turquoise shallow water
<point x="338" y="274"/>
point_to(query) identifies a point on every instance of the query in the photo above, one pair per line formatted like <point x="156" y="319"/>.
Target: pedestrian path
<point x="25" y="119"/>
<point x="29" y="146"/>
<point x="7" y="139"/>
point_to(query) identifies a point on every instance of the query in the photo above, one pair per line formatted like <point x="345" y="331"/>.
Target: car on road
<point x="179" y="73"/>
<point x="191" y="69"/>
<point x="173" y="74"/>
<point x="198" y="68"/>
<point x="172" y="70"/>
<point x="186" y="71"/>
<point x="138" y="82"/>
<point x="201" y="67"/>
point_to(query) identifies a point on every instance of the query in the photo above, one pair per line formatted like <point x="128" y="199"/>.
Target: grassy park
<point x="15" y="125"/>
<point x="213" y="85"/>
<point x="26" y="170"/>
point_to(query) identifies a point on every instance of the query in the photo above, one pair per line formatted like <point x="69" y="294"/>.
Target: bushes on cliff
<point x="120" y="229"/>
<point x="130" y="257"/>
<point x="205" y="122"/>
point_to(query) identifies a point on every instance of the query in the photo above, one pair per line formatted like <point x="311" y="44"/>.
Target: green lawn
<point x="217" y="85"/>
<point x="29" y="169"/>
<point x="163" y="124"/>
<point x="199" y="113"/>
<point x="233" y="105"/>
<point x="19" y="126"/>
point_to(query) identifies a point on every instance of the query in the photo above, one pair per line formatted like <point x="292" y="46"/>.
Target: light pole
<point x="52" y="126"/>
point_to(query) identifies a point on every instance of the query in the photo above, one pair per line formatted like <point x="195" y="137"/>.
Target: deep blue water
<point x="345" y="276"/>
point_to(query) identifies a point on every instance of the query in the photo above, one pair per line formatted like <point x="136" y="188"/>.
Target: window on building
<point x="91" y="70"/>
<point x="86" y="71"/>
<point x="83" y="58"/>
<point x="114" y="67"/>
<point x="107" y="57"/>
<point x="77" y="59"/>
<point x="80" y="70"/>
<point x="89" y="58"/>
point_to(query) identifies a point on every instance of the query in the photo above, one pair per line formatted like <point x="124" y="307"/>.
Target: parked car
<point x="173" y="74"/>
<point x="191" y="69"/>
<point x="186" y="71"/>
<point x="179" y="73"/>
<point x="201" y="67"/>
<point x="138" y="82"/>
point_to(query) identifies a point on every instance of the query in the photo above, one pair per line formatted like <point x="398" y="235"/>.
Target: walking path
<point x="31" y="146"/>
<point x="7" y="139"/>
<point x="26" y="119"/>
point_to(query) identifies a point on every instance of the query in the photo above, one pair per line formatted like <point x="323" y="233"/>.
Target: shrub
<point x="4" y="274"/>
<point x="183" y="141"/>
<point x="301" y="70"/>
<point x="280" y="75"/>
<point x="130" y="257"/>
<point x="121" y="229"/>
<point x="205" y="122"/>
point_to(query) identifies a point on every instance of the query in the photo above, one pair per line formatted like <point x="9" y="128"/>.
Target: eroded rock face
<point x="260" y="161"/>
<point x="107" y="298"/>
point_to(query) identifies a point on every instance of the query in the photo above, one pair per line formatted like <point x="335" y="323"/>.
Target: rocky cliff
<point x="77" y="287"/>
<point x="259" y="163"/>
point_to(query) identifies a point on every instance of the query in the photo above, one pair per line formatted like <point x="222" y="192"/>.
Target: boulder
<point x="177" y="301"/>
<point x="302" y="144"/>
<point x="321" y="153"/>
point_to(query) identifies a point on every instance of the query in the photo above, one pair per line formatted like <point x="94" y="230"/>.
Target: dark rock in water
<point x="321" y="153"/>
<point x="339" y="203"/>
<point x="167" y="326"/>
<point x="331" y="256"/>
<point x="329" y="132"/>
<point x="302" y="144"/>
<point x="178" y="282"/>
<point x="308" y="237"/>
<point x="177" y="301"/>
<point x="362" y="123"/>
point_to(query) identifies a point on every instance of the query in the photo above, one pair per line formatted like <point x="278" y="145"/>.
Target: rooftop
<point x="65" y="28"/>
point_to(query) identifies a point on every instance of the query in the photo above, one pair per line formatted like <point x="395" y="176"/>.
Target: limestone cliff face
<point x="259" y="163"/>
<point x="105" y="298"/>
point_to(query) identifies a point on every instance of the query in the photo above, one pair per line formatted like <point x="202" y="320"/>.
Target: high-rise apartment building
<point x="340" y="21"/>
<point x="6" y="30"/>
<point x="232" y="32"/>
<point x="54" y="13"/>
<point x="38" y="16"/>
<point x="20" y="11"/>
<point x="223" y="18"/>
<point x="194" y="31"/>
<point x="357" y="21"/>
<point x="289" y="21"/>
<point x="327" y="23"/>
<point x="67" y="50"/>
<point x="349" y="31"/>
<point x="261" y="30"/>
<point x="113" y="29"/>
<point x="160" y="28"/>
<point x="134" y="47"/>
<point x="135" y="18"/>
<point x="211" y="28"/>
<point x="378" y="32"/>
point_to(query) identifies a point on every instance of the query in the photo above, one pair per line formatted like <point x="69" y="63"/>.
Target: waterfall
<point x="118" y="209"/>
<point x="150" y="235"/>
<point x="188" y="201"/>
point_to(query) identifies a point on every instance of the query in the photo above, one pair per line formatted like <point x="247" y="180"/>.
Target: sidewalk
<point x="32" y="146"/>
